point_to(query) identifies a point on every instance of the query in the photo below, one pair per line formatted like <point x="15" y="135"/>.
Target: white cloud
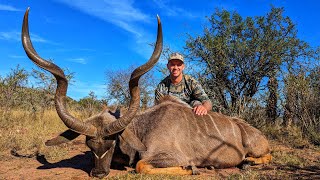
<point x="120" y="13"/>
<point x="10" y="36"/>
<point x="4" y="7"/>
<point x="78" y="60"/>
<point x="36" y="38"/>
<point x="16" y="36"/>
<point x="172" y="10"/>
<point x="17" y="56"/>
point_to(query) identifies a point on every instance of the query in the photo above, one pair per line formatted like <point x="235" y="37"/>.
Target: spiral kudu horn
<point x="122" y="122"/>
<point x="62" y="84"/>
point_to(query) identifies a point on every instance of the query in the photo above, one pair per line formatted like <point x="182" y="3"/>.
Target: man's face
<point x="175" y="67"/>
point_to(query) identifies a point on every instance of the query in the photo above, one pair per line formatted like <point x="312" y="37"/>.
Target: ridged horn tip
<point x="158" y="19"/>
<point x="27" y="12"/>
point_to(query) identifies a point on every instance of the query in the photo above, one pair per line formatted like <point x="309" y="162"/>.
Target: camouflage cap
<point x="176" y="56"/>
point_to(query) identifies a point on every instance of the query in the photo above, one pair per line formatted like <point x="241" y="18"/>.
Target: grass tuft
<point x="27" y="132"/>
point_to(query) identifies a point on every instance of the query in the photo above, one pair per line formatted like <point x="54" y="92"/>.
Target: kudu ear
<point x="116" y="114"/>
<point x="64" y="137"/>
<point x="129" y="137"/>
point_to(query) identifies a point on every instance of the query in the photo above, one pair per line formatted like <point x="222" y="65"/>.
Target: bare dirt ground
<point x="78" y="165"/>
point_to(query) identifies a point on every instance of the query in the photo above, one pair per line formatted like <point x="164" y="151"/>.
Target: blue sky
<point x="89" y="37"/>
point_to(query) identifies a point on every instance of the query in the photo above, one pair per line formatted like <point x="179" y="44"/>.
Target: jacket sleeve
<point x="198" y="94"/>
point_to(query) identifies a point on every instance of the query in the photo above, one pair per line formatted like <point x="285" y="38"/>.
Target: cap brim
<point x="176" y="59"/>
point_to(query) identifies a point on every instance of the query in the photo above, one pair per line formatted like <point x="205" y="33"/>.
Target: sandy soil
<point x="78" y="165"/>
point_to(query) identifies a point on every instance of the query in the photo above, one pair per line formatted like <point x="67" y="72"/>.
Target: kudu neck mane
<point x="171" y="99"/>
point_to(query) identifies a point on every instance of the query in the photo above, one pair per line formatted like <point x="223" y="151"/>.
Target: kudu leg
<point x="144" y="167"/>
<point x="261" y="160"/>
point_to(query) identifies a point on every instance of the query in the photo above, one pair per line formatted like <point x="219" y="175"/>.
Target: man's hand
<point x="200" y="110"/>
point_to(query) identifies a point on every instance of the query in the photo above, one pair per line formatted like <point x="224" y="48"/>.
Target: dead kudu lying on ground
<point x="168" y="138"/>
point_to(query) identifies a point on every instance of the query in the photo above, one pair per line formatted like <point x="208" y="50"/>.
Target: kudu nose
<point x="99" y="173"/>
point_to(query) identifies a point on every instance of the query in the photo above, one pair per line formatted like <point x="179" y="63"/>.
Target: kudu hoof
<point x="194" y="169"/>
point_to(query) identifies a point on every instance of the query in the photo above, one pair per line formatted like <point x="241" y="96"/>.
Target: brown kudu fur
<point x="178" y="140"/>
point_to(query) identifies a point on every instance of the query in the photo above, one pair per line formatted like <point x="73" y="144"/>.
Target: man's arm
<point x="202" y="109"/>
<point x="201" y="103"/>
<point x="207" y="105"/>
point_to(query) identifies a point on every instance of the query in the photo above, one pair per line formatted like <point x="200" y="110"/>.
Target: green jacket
<point x="188" y="90"/>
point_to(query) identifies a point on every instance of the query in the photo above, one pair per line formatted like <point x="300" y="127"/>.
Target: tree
<point x="118" y="88"/>
<point x="238" y="55"/>
<point x="271" y="109"/>
<point x="90" y="104"/>
<point x="302" y="94"/>
<point x="12" y="89"/>
<point x="46" y="88"/>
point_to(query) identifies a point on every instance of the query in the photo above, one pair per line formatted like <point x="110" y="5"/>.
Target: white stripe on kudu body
<point x="215" y="125"/>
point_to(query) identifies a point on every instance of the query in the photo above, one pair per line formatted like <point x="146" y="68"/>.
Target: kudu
<point x="103" y="130"/>
<point x="167" y="138"/>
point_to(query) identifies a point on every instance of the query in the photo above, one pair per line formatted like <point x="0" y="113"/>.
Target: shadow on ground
<point x="81" y="161"/>
<point x="292" y="171"/>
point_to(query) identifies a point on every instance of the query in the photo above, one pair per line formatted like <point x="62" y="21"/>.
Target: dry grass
<point x="291" y="136"/>
<point x="288" y="158"/>
<point x="156" y="177"/>
<point x="246" y="175"/>
<point x="27" y="133"/>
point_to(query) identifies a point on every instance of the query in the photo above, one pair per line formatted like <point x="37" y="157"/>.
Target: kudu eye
<point x="112" y="137"/>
